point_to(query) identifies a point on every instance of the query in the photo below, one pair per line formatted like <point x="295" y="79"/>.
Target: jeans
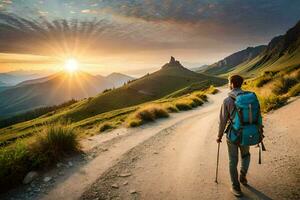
<point x="233" y="162"/>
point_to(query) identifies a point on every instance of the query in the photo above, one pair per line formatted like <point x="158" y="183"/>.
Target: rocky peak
<point x="172" y="60"/>
<point x="173" y="63"/>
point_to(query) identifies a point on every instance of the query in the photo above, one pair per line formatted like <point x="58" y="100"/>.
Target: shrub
<point x="294" y="91"/>
<point x="147" y="114"/>
<point x="283" y="84"/>
<point x="105" y="126"/>
<point x="55" y="142"/>
<point x="272" y="102"/>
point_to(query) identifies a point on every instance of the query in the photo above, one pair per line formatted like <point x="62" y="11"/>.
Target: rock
<point x="132" y="191"/>
<point x="125" y="174"/>
<point x="125" y="183"/>
<point x="61" y="173"/>
<point x="172" y="60"/>
<point x="155" y="152"/>
<point x="116" y="186"/>
<point x="47" y="179"/>
<point x="70" y="163"/>
<point x="30" y="177"/>
<point x="58" y="165"/>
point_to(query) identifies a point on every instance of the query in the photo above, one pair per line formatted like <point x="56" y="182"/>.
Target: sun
<point x="71" y="65"/>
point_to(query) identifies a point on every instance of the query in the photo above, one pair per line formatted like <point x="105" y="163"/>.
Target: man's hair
<point x="236" y="81"/>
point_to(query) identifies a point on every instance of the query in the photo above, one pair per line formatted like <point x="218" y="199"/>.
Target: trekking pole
<point x="216" y="180"/>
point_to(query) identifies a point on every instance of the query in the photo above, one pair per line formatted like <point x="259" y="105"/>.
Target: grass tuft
<point x="55" y="142"/>
<point x="105" y="127"/>
<point x="294" y="91"/>
<point x="283" y="85"/>
<point x="212" y="90"/>
<point x="171" y="108"/>
<point x="147" y="114"/>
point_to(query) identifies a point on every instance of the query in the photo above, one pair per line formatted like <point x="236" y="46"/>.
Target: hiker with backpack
<point x="241" y="121"/>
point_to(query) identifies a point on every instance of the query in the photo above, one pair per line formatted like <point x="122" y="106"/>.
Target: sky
<point x="135" y="36"/>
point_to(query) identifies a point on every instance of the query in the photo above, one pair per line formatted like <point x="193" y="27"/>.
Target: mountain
<point x="231" y="62"/>
<point x="2" y="84"/>
<point x="38" y="80"/>
<point x="170" y="78"/>
<point x="15" y="77"/>
<point x="51" y="90"/>
<point x="118" y="79"/>
<point x="282" y="52"/>
<point x="198" y="69"/>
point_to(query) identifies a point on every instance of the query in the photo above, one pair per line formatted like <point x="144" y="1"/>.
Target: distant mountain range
<point x="117" y="79"/>
<point x="15" y="77"/>
<point x="54" y="89"/>
<point x="231" y="62"/>
<point x="282" y="51"/>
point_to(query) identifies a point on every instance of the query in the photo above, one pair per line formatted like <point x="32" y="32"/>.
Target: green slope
<point x="282" y="52"/>
<point x="232" y="61"/>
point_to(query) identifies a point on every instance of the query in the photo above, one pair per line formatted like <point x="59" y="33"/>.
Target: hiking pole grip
<point x="216" y="180"/>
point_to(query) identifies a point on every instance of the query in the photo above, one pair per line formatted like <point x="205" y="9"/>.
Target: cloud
<point x="205" y="27"/>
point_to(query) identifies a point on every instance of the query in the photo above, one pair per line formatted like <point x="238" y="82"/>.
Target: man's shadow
<point x="252" y="193"/>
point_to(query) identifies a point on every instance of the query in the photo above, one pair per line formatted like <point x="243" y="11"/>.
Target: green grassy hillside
<point x="233" y="61"/>
<point x="281" y="53"/>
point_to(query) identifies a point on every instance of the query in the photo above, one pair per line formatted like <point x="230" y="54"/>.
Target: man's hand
<point x="219" y="139"/>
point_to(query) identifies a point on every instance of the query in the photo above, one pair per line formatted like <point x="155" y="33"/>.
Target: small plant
<point x="105" y="127"/>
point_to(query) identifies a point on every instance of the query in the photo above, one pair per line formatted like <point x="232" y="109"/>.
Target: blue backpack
<point x="245" y="127"/>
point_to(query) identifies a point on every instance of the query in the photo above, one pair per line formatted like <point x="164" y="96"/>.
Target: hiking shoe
<point x="237" y="192"/>
<point x="243" y="179"/>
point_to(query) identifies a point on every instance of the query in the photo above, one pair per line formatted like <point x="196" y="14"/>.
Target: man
<point x="235" y="83"/>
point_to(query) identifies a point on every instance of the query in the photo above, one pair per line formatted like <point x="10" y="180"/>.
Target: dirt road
<point x="179" y="162"/>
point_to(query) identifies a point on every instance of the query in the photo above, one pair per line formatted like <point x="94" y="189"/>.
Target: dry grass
<point x="147" y="114"/>
<point x="294" y="91"/>
<point x="106" y="126"/>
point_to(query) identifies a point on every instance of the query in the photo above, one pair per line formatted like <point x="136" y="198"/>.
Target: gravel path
<point x="179" y="162"/>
